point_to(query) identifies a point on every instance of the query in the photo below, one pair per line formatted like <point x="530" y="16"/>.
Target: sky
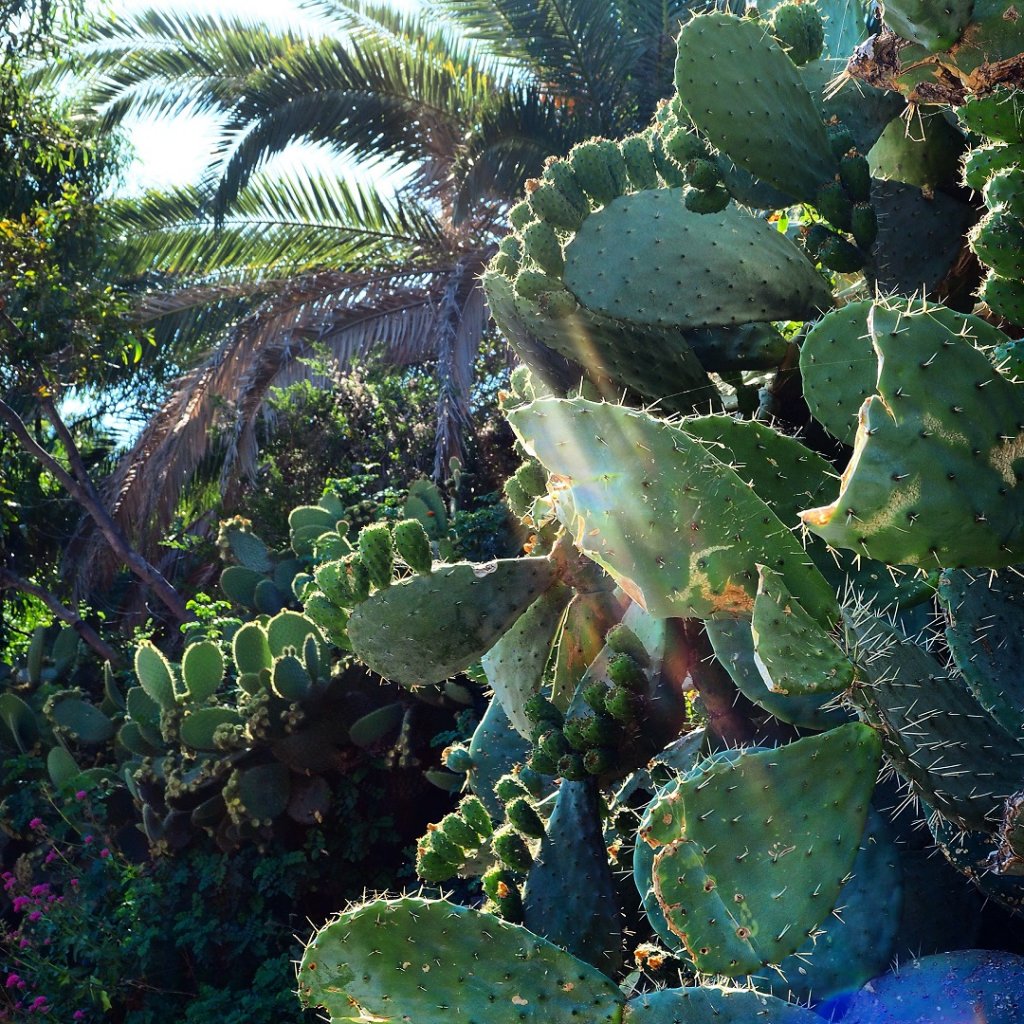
<point x="174" y="151"/>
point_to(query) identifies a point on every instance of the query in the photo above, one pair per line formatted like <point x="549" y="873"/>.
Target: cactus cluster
<point x="755" y="706"/>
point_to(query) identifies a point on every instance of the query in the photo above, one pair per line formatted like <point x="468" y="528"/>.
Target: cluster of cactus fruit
<point x="777" y="676"/>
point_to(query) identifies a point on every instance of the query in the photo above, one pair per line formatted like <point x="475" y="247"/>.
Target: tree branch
<point x="65" y="614"/>
<point x="86" y="496"/>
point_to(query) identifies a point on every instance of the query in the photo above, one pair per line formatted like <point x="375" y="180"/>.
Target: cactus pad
<point x="436" y="962"/>
<point x="794" y="654"/>
<point x="985" y="635"/>
<point x="948" y="988"/>
<point x="515" y="664"/>
<point x="943" y="424"/>
<point x="954" y="754"/>
<point x="712" y="1005"/>
<point x="678" y="530"/>
<point x="424" y="629"/>
<point x="737" y="912"/>
<point x="646" y="259"/>
<point x="746" y="95"/>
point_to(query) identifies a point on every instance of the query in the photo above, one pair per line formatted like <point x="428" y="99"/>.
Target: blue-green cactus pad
<point x="940" y="739"/>
<point x="985" y="635"/>
<point x="743" y="870"/>
<point x="678" y="530"/>
<point x="570" y="894"/>
<point x="969" y="986"/>
<point x="857" y="940"/>
<point x="645" y="258"/>
<point x="434" y="962"/>
<point x="733" y="644"/>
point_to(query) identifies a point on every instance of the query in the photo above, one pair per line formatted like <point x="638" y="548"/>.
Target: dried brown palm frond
<point x="409" y="317"/>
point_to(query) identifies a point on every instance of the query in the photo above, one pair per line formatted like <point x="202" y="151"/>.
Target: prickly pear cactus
<point x="772" y="411"/>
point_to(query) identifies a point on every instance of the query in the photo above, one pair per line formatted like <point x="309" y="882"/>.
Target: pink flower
<point x="37" y="1004"/>
<point x="36" y="823"/>
<point x="104" y="852"/>
<point x="80" y="795"/>
<point x="73" y="883"/>
<point x="50" y="857"/>
<point x="87" y="840"/>
<point x="40" y="890"/>
<point x="35" y="915"/>
<point x="78" y="1015"/>
<point x="20" y="903"/>
<point x="12" y="980"/>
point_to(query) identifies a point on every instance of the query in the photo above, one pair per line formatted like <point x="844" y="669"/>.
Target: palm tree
<point x="466" y="98"/>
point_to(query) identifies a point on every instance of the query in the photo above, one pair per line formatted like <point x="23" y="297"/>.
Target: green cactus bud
<point x="539" y="709"/>
<point x="508" y="787"/>
<point x="531" y="284"/>
<point x="413" y="545"/>
<point x="570" y="767"/>
<point x="864" y="225"/>
<point x="541" y="244"/>
<point x="590" y="164"/>
<point x="839" y="255"/>
<point x="519" y="216"/>
<point x="475" y="815"/>
<point x="509" y="257"/>
<point x="599" y="731"/>
<point x="553" y="743"/>
<point x="622" y="640"/>
<point x="522" y="814"/>
<point x="594" y="695"/>
<point x="574" y="734"/>
<point x="560" y="174"/>
<point x="1005" y="297"/>
<point x="459" y="832"/>
<point x="376" y="553"/>
<point x="800" y="30"/>
<point x="840" y="139"/>
<point x="713" y="201"/>
<point x="511" y="849"/>
<point x="636" y="152"/>
<point x="550" y="204"/>
<point x="703" y="174"/>
<point x="333" y="579"/>
<point x="598" y="760"/>
<point x="503" y="892"/>
<point x="623" y="705"/>
<point x="624" y="671"/>
<point x="833" y="203"/>
<point x="457" y="759"/>
<point x="685" y="146"/>
<point x="443" y="845"/>
<point x="855" y="177"/>
<point x="432" y="867"/>
<point x="670" y="170"/>
<point x="814" y="237"/>
<point x="532" y="478"/>
<point x="540" y="763"/>
<point x="519" y="502"/>
<point x="534" y="782"/>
